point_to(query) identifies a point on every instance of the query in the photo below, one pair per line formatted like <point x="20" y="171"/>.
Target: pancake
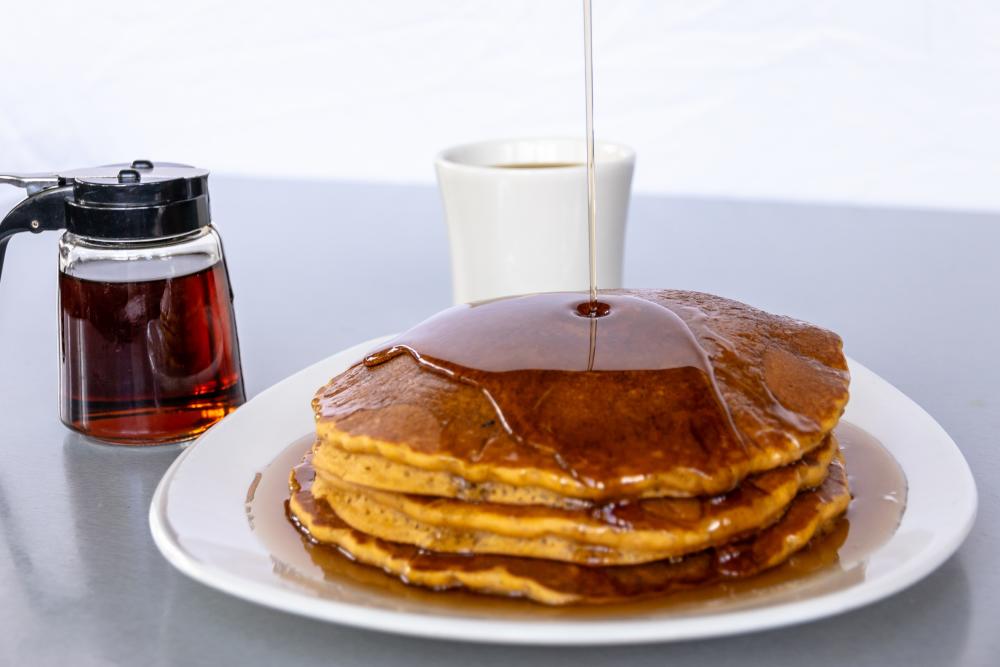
<point x="690" y="394"/>
<point x="552" y="582"/>
<point x="377" y="472"/>
<point x="602" y="534"/>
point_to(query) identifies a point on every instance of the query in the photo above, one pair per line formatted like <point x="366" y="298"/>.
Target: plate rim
<point x="555" y="632"/>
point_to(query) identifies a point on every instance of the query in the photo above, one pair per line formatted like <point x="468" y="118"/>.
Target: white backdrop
<point x="893" y="102"/>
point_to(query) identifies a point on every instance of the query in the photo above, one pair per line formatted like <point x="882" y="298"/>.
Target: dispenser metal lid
<point x="117" y="202"/>
<point x="137" y="200"/>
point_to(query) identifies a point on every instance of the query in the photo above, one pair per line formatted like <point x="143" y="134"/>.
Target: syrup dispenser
<point x="148" y="350"/>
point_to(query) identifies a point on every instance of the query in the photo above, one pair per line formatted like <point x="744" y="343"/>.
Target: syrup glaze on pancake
<point x="613" y="533"/>
<point x="669" y="394"/>
<point x="551" y="582"/>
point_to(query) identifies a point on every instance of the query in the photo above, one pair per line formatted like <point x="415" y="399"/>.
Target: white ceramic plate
<point x="199" y="520"/>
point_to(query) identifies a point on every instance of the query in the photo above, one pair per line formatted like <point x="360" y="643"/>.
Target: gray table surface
<point x="319" y="266"/>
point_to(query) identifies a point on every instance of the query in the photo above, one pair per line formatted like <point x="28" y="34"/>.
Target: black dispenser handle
<point x="44" y="209"/>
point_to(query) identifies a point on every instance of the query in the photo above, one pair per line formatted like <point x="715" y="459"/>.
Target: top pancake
<point x="688" y="394"/>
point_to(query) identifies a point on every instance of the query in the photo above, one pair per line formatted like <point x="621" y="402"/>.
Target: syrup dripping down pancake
<point x="688" y="394"/>
<point x="553" y="582"/>
<point x="602" y="534"/>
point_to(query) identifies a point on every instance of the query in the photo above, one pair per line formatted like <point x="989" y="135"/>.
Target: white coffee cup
<point x="519" y="230"/>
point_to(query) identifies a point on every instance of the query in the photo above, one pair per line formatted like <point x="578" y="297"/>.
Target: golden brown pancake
<point x="378" y="472"/>
<point x="756" y="391"/>
<point x="553" y="582"/>
<point x="822" y="553"/>
<point x="601" y="534"/>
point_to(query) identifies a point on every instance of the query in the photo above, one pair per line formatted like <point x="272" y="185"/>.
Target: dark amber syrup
<point x="148" y="361"/>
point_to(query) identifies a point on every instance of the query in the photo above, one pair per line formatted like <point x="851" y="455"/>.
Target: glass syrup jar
<point x="148" y="349"/>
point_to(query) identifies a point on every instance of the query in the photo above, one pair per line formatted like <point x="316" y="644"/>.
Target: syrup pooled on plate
<point x="831" y="562"/>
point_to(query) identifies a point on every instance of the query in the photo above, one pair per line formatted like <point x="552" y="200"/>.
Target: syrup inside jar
<point x="149" y="352"/>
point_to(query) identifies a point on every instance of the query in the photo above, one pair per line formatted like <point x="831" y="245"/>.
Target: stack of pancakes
<point x="425" y="475"/>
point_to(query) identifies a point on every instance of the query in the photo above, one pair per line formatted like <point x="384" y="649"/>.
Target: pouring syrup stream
<point x="588" y="75"/>
<point x="591" y="176"/>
